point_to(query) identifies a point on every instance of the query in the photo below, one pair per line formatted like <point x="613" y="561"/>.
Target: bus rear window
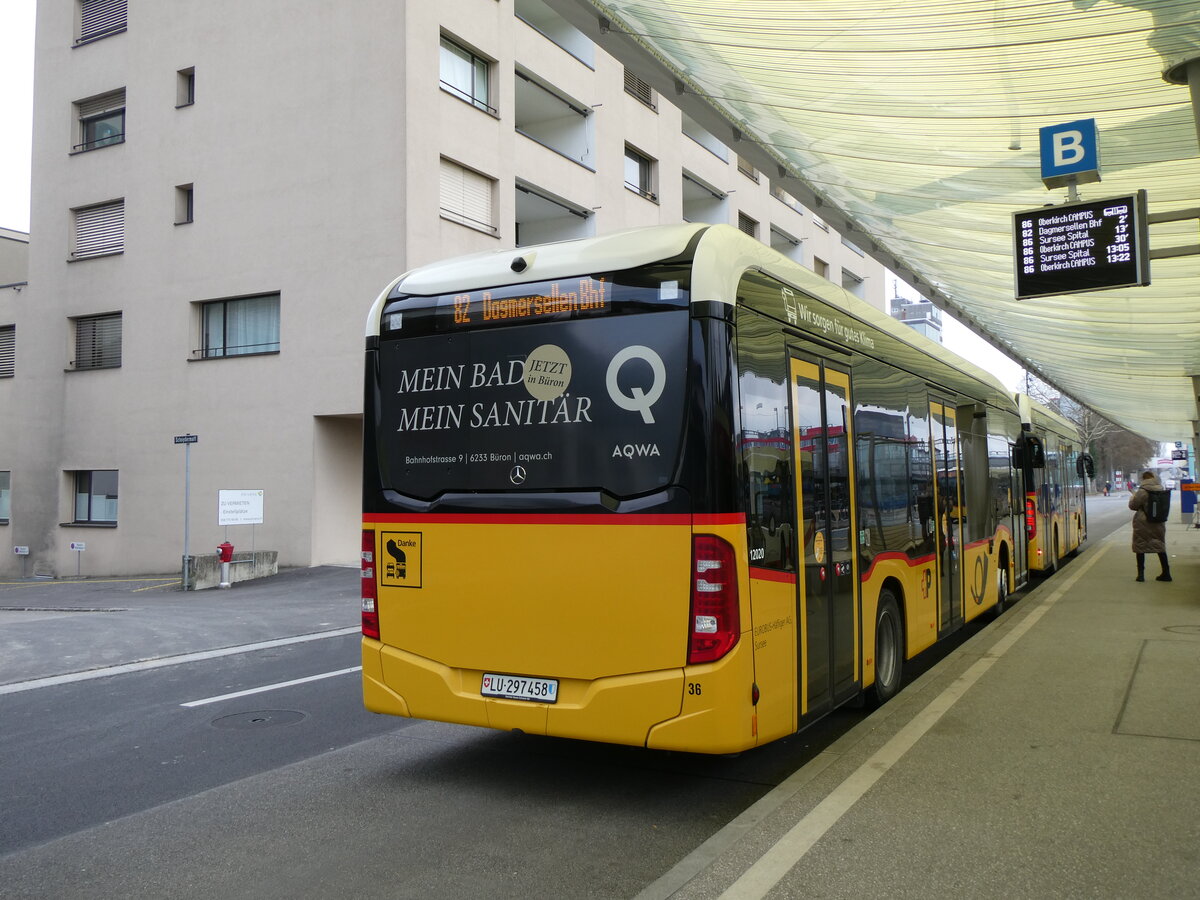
<point x="561" y="403"/>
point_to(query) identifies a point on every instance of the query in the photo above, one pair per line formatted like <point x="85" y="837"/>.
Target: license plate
<point x="518" y="687"/>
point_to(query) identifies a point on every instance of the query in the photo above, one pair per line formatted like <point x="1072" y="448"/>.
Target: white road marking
<point x="270" y="687"/>
<point x="770" y="868"/>
<point x="162" y="662"/>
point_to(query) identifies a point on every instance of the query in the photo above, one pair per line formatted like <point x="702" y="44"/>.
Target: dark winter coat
<point x="1148" y="537"/>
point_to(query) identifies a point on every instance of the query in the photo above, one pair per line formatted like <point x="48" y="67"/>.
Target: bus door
<point x="947" y="502"/>
<point x="827" y="601"/>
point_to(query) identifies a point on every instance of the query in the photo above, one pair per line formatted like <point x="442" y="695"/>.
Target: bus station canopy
<point x="913" y="128"/>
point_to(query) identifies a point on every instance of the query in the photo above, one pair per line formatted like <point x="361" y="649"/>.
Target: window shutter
<point x="101" y="103"/>
<point x="466" y="196"/>
<point x="99" y="230"/>
<point x="100" y="17"/>
<point x="8" y="350"/>
<point x="638" y="88"/>
<point x="98" y="342"/>
<point x="747" y="225"/>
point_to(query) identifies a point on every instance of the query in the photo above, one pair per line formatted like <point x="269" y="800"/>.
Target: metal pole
<point x="187" y="509"/>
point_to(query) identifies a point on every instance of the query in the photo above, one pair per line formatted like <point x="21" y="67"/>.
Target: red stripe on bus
<point x="911" y="562"/>
<point x="515" y="519"/>
<point x="719" y="519"/>
<point x="772" y="575"/>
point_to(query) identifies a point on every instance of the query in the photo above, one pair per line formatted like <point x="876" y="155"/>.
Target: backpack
<point x="1158" y="506"/>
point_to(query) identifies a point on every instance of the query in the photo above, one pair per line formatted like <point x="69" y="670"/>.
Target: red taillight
<point x="370" y="615"/>
<point x="1030" y="517"/>
<point x="715" y="623"/>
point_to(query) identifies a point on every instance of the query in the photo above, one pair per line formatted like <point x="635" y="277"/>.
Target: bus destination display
<point x="555" y="300"/>
<point x="1079" y="247"/>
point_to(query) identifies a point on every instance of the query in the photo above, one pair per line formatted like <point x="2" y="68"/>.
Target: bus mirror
<point x="1085" y="466"/>
<point x="1036" y="453"/>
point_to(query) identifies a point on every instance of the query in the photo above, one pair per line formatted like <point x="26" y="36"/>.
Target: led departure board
<point x="654" y="288"/>
<point x="1079" y="247"/>
<point x="548" y="300"/>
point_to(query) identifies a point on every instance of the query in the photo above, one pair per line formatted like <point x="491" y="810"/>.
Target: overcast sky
<point x="16" y="115"/>
<point x="16" y="110"/>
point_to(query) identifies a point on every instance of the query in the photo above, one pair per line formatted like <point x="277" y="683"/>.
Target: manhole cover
<point x="262" y="718"/>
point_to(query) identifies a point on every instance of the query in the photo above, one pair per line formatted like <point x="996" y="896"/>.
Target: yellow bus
<point x="1055" y="490"/>
<point x="667" y="488"/>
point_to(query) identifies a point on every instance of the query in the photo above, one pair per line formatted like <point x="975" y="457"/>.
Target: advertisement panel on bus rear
<point x="585" y="404"/>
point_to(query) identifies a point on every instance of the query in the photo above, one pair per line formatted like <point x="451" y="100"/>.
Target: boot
<point x="1166" y="568"/>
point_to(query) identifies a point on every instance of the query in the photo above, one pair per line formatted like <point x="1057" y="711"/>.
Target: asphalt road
<point x="111" y="785"/>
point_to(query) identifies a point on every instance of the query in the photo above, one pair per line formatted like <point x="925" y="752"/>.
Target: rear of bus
<point x="548" y="543"/>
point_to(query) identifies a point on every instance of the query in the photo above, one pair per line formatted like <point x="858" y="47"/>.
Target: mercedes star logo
<point x="517" y="475"/>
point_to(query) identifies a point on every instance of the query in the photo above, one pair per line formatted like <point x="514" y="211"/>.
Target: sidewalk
<point x="52" y="628"/>
<point x="1055" y="754"/>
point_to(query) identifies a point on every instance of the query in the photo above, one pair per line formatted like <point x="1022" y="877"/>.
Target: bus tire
<point x="889" y="650"/>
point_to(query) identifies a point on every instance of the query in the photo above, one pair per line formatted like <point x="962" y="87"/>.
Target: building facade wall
<point x="311" y="150"/>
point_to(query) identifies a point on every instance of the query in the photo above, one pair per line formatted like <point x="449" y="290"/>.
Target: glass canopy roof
<point x="912" y="126"/>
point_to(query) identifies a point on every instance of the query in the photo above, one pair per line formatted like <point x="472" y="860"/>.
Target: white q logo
<point x="637" y="400"/>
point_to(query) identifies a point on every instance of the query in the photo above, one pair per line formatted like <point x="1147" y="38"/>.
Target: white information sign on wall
<point x="239" y="507"/>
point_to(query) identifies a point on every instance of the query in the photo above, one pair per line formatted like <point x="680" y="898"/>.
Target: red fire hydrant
<point x="225" y="552"/>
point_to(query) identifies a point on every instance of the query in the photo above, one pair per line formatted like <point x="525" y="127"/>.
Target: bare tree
<point x="1112" y="447"/>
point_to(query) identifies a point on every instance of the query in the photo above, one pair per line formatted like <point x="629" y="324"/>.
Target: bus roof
<point x="722" y="255"/>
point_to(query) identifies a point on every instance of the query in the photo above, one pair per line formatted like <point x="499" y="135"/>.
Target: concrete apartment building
<point x="221" y="189"/>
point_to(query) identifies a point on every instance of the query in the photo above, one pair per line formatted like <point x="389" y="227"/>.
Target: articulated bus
<point x="667" y="488"/>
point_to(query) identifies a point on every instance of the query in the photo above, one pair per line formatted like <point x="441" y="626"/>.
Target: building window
<point x="8" y="351"/>
<point x="97" y="342"/>
<point x="702" y="201"/>
<point x="853" y="283"/>
<point x="820" y="267"/>
<point x="538" y="16"/>
<point x="747" y="225"/>
<point x="5" y="496"/>
<point x="96" y="496"/>
<point x="465" y="75"/>
<point x="185" y="87"/>
<point x="554" y="121"/>
<point x="639" y="173"/>
<point x="704" y="138"/>
<point x="786" y="199"/>
<point x="542" y="217"/>
<point x="747" y="168"/>
<point x="101" y="121"/>
<point x="183" y="203"/>
<point x="789" y="246"/>
<point x="239" y="327"/>
<point x="99" y="230"/>
<point x="467" y="197"/>
<point x="635" y="87"/>
<point x="100" y="18"/>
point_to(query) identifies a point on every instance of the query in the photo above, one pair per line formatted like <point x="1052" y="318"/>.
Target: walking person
<point x="1148" y="537"/>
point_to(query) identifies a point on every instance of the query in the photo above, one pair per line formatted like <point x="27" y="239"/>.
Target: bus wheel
<point x="889" y="650"/>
